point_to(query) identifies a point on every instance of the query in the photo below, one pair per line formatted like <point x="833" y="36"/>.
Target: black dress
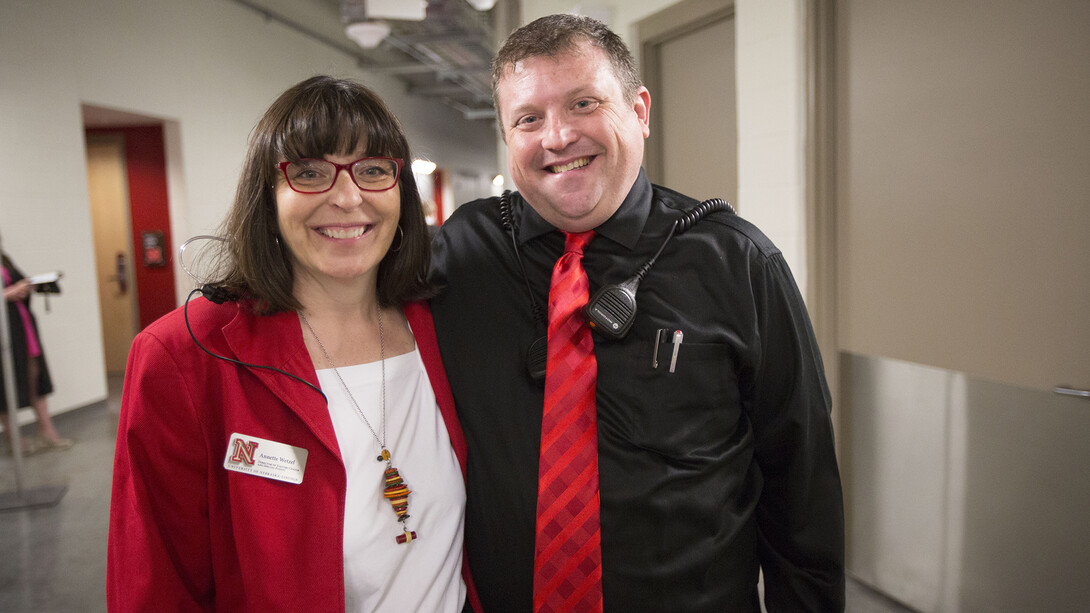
<point x="19" y="348"/>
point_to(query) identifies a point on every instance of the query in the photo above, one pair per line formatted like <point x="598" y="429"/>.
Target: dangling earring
<point x="401" y="242"/>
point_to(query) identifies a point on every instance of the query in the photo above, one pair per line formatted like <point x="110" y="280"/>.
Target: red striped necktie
<point x="568" y="554"/>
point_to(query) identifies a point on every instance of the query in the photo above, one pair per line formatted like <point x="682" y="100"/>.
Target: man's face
<point x="574" y="144"/>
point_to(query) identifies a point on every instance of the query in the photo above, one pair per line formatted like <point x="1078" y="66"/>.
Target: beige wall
<point x="963" y="191"/>
<point x="772" y="104"/>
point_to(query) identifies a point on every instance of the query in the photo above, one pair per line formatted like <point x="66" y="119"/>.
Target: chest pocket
<point x="691" y="415"/>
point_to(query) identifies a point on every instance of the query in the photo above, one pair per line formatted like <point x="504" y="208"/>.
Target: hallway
<point x="54" y="558"/>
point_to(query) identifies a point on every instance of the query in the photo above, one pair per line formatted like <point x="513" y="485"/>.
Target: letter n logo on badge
<point x="244" y="451"/>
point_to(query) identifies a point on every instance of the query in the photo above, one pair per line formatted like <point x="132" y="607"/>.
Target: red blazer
<point x="187" y="534"/>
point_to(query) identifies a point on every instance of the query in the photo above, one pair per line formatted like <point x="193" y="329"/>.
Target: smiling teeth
<point x="342" y="232"/>
<point x="581" y="162"/>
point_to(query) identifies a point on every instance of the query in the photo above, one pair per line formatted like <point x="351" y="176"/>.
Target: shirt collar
<point x="623" y="227"/>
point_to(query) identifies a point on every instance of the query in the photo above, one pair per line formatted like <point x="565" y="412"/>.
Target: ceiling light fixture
<point x="423" y="167"/>
<point x="482" y="5"/>
<point x="367" y="34"/>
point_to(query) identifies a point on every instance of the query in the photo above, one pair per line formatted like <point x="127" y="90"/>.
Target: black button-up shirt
<point x="706" y="474"/>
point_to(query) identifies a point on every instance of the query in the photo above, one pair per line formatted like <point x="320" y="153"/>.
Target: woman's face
<point x="338" y="236"/>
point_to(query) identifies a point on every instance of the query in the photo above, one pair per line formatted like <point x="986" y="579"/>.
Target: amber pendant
<point x="397" y="494"/>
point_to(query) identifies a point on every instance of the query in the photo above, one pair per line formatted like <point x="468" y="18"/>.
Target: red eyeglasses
<point x="314" y="176"/>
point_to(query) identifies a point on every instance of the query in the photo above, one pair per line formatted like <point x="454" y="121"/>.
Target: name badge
<point x="263" y="458"/>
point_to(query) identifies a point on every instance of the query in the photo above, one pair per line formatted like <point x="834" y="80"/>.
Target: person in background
<point x="662" y="469"/>
<point x="290" y="442"/>
<point x="32" y="380"/>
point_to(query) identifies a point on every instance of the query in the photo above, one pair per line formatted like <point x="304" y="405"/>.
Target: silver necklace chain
<point x="394" y="490"/>
<point x="382" y="350"/>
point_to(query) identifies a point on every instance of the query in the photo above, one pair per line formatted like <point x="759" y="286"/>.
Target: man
<point x="715" y="455"/>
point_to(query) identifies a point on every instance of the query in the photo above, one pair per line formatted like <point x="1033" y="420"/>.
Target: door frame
<point x="679" y="19"/>
<point x="821" y="209"/>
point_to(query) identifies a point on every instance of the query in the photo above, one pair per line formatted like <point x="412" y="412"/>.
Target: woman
<point x="32" y="380"/>
<point x="288" y="454"/>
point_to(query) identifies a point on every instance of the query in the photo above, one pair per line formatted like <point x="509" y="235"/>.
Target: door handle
<point x="120" y="266"/>
<point x="1070" y="391"/>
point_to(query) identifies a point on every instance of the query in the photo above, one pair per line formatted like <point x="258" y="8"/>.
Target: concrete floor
<point x="54" y="557"/>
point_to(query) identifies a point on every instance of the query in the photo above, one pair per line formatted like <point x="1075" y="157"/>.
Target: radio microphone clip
<point x="612" y="309"/>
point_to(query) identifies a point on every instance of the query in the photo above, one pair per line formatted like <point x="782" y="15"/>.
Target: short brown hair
<point x="556" y="34"/>
<point x="317" y="117"/>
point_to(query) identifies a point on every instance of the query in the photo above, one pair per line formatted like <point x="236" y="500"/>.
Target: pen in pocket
<point x="664" y="336"/>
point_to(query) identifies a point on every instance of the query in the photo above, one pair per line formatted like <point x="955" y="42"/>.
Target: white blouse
<point x="379" y="573"/>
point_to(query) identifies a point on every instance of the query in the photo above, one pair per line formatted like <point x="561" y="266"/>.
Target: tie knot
<point x="576" y="242"/>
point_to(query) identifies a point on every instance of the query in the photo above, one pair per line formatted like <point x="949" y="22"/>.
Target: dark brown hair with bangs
<point x="317" y="117"/>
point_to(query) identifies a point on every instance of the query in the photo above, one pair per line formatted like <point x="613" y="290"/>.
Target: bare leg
<point x="46" y="431"/>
